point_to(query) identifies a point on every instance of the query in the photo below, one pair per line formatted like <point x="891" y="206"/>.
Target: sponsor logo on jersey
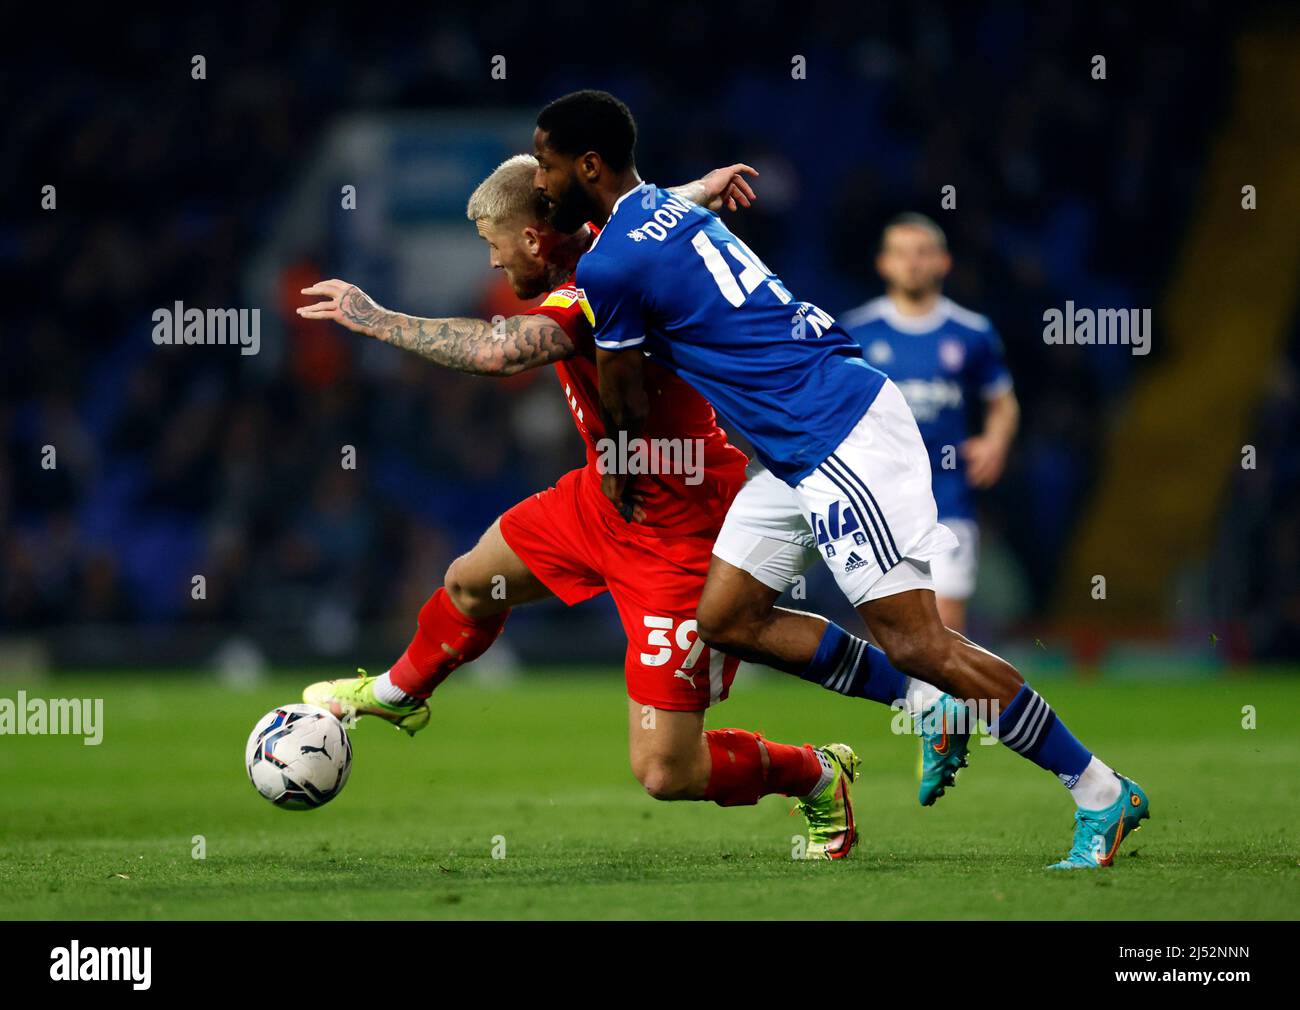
<point x="880" y="353"/>
<point x="585" y="305"/>
<point x="928" y="398"/>
<point x="562" y="297"/>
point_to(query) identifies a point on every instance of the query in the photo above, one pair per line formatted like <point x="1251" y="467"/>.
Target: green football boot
<point x="831" y="830"/>
<point x="352" y="697"/>
<point x="945" y="742"/>
<point x="1098" y="833"/>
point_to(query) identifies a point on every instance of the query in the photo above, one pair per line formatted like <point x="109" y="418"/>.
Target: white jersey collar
<point x="926" y="323"/>
<point x="640" y="185"/>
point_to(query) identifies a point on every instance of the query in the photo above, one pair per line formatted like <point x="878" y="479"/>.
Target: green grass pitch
<point x="106" y="832"/>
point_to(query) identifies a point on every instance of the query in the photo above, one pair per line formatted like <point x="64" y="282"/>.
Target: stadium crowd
<point x="175" y="461"/>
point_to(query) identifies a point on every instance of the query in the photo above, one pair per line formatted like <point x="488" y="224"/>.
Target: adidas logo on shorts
<point x="854" y="562"/>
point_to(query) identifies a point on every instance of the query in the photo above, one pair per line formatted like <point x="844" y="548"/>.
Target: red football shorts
<point x="579" y="551"/>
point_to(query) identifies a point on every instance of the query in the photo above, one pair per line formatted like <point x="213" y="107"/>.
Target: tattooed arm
<point x="723" y="186"/>
<point x="508" y="347"/>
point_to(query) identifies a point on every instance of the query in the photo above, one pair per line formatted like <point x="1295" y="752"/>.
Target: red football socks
<point x="791" y="770"/>
<point x="737" y="777"/>
<point x="444" y="639"/>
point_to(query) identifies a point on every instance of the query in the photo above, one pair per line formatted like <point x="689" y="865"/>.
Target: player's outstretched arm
<point x="722" y="187"/>
<point x="507" y="347"/>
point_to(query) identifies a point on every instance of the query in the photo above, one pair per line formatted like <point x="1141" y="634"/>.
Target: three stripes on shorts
<point x="864" y="503"/>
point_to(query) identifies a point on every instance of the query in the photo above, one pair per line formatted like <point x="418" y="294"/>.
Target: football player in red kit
<point x="571" y="542"/>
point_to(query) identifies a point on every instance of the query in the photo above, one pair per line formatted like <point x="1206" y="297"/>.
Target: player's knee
<point x="712" y="631"/>
<point x="468" y="594"/>
<point x="924" y="654"/>
<point x="724" y="630"/>
<point x="663" y="779"/>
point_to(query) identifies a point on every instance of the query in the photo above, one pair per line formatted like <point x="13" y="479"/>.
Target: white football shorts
<point x="868" y="510"/>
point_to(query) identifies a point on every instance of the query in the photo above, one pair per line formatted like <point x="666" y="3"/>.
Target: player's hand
<point x="346" y="304"/>
<point x="985" y="460"/>
<point x="728" y="187"/>
<point x="617" y="488"/>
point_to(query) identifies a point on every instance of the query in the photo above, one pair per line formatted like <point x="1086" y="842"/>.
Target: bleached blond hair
<point x="508" y="194"/>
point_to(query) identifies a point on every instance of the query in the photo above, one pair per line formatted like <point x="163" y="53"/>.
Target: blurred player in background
<point x="571" y="542"/>
<point x="944" y="359"/>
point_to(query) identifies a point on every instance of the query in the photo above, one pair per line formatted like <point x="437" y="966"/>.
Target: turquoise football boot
<point x="945" y="742"/>
<point x="1098" y="833"/>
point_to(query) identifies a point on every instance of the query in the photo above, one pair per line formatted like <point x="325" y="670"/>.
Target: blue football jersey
<point x="942" y="361"/>
<point x="668" y="276"/>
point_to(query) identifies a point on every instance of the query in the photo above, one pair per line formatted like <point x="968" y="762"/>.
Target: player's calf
<point x="744" y="767"/>
<point x="462" y="619"/>
<point x="667" y="752"/>
<point x="908" y="627"/>
<point x="737" y="614"/>
<point x="445" y="639"/>
<point x="674" y="758"/>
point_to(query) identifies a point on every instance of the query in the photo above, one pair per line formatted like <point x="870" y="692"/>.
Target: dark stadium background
<point x="224" y="192"/>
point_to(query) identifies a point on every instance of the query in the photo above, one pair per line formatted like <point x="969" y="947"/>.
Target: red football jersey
<point x="675" y="502"/>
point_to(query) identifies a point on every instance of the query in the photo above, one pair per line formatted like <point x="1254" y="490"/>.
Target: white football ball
<point x="298" y="757"/>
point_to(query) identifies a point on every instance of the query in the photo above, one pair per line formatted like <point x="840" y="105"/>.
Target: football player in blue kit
<point x="944" y="359"/>
<point x="848" y="476"/>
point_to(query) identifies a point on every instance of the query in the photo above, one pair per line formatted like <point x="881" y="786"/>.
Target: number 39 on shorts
<point x="661" y="636"/>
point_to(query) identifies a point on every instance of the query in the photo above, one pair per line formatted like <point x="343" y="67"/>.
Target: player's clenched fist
<point x="346" y="304"/>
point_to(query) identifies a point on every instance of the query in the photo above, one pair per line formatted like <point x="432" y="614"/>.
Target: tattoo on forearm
<point x="466" y="345"/>
<point x="694" y="192"/>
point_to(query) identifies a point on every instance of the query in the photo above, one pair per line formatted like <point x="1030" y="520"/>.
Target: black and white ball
<point x="298" y="757"/>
